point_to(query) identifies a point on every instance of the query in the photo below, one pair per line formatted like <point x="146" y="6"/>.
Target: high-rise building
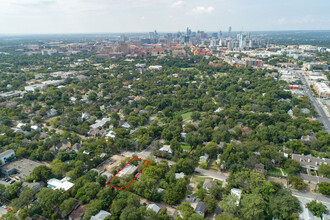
<point x="229" y="31"/>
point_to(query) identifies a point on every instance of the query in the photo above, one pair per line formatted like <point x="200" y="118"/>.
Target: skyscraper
<point x="229" y="31"/>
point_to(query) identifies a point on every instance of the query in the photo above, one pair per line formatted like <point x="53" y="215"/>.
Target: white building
<point x="179" y="175"/>
<point x="154" y="207"/>
<point x="60" y="184"/>
<point x="236" y="192"/>
<point x="127" y="170"/>
<point x="100" y="123"/>
<point x="166" y="148"/>
<point x="4" y="156"/>
<point x="101" y="215"/>
<point x="157" y="67"/>
<point x="34" y="87"/>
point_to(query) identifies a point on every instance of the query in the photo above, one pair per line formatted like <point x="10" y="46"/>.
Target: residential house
<point x="101" y="215"/>
<point x="36" y="186"/>
<point x="127" y="170"/>
<point x="237" y="193"/>
<point x="154" y="207"/>
<point x="260" y="168"/>
<point x="200" y="208"/>
<point x="179" y="175"/>
<point x="208" y="184"/>
<point x="78" y="213"/>
<point x="204" y="158"/>
<point x="51" y="113"/>
<point x="60" y="184"/>
<point x="167" y="149"/>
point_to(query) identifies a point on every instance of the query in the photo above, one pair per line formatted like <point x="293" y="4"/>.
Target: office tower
<point x="229" y="31"/>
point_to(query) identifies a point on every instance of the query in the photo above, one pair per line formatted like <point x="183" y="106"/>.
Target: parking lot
<point x="5" y="180"/>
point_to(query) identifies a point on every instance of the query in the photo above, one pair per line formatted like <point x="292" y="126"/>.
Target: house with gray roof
<point x="208" y="184"/>
<point x="101" y="215"/>
<point x="309" y="162"/>
<point x="200" y="208"/>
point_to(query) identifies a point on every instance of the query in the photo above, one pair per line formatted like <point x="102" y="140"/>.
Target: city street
<point x="322" y="117"/>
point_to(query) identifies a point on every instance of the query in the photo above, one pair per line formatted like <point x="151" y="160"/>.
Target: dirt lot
<point x="113" y="162"/>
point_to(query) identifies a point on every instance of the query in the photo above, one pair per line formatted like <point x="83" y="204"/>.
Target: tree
<point x="195" y="116"/>
<point x="211" y="203"/>
<point x="283" y="205"/>
<point x="12" y="190"/>
<point x="297" y="182"/>
<point x="225" y="216"/>
<point x="324" y="188"/>
<point x="318" y="209"/>
<point x="40" y="173"/>
<point x="92" y="209"/>
<point x="186" y="210"/>
<point x="67" y="206"/>
<point x="201" y="193"/>
<point x="253" y="207"/>
<point x="292" y="166"/>
<point x="229" y="204"/>
<point x="92" y="96"/>
<point x="24" y="198"/>
<point x="324" y="170"/>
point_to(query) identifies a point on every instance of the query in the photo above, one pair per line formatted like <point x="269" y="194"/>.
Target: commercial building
<point x="322" y="89"/>
<point x="4" y="156"/>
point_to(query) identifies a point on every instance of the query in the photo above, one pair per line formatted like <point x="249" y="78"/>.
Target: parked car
<point x="12" y="181"/>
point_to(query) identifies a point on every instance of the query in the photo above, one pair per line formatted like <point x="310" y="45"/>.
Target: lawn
<point x="200" y="180"/>
<point x="275" y="172"/>
<point x="187" y="68"/>
<point x="186" y="116"/>
<point x="186" y="147"/>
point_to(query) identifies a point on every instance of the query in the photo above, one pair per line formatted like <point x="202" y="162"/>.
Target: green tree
<point x="297" y="182"/>
<point x="318" y="209"/>
<point x="292" y="166"/>
<point x="92" y="209"/>
<point x="67" y="206"/>
<point x="283" y="205"/>
<point x="252" y="207"/>
<point x="186" y="210"/>
<point x="229" y="204"/>
<point x="324" y="188"/>
<point x="24" y="198"/>
<point x="40" y="173"/>
<point x="324" y="170"/>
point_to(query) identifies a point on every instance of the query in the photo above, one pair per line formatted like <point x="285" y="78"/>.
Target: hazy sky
<point x="93" y="16"/>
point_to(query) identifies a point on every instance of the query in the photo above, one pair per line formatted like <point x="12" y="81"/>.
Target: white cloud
<point x="203" y="10"/>
<point x="178" y="4"/>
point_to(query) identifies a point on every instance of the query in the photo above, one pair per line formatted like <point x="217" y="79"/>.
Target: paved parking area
<point x="2" y="211"/>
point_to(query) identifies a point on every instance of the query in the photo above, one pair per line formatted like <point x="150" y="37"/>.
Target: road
<point x="215" y="175"/>
<point x="309" y="195"/>
<point x="322" y="117"/>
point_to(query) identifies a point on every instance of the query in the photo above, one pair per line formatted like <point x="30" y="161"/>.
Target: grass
<point x="200" y="180"/>
<point x="186" y="147"/>
<point x="275" y="172"/>
<point x="187" y="68"/>
<point x="186" y="116"/>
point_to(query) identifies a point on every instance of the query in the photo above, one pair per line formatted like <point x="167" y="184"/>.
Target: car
<point x="4" y="206"/>
<point x="7" y="179"/>
<point x="9" y="209"/>
<point x="12" y="181"/>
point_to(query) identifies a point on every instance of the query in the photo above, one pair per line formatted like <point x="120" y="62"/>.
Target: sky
<point x="114" y="16"/>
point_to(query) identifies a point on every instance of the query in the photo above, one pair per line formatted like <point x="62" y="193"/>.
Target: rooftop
<point x="127" y="170"/>
<point x="101" y="215"/>
<point x="60" y="184"/>
<point x="5" y="153"/>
